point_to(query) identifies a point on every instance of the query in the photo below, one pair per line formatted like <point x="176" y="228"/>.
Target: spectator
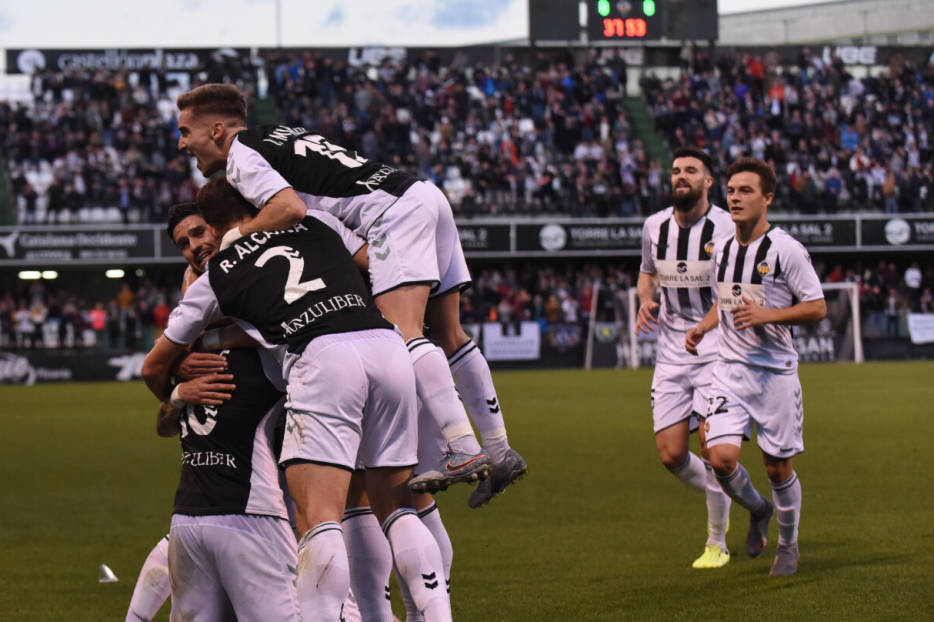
<point x="891" y="314"/>
<point x="913" y="279"/>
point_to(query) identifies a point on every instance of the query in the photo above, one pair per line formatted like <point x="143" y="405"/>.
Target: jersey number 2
<point x="294" y="287"/>
<point x="318" y="144"/>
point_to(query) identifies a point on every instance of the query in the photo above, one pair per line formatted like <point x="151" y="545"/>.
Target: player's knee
<point x="671" y="457"/>
<point x="778" y="472"/>
<point x="723" y="463"/>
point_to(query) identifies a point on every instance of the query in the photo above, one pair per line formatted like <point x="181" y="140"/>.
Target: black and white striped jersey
<point x="264" y="160"/>
<point x="775" y="271"/>
<point x="229" y="462"/>
<point x="682" y="260"/>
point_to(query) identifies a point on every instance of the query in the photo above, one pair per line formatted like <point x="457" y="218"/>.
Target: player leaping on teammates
<point x="677" y="249"/>
<point x="416" y="262"/>
<point x="760" y="273"/>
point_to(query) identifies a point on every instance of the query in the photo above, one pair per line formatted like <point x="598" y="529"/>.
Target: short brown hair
<point x="763" y="169"/>
<point x="697" y="154"/>
<point x="221" y="205"/>
<point x="220" y="99"/>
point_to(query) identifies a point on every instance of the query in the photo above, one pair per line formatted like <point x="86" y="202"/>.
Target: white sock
<point x="153" y="586"/>
<point x="435" y="387"/>
<point x="418" y="563"/>
<point x="412" y="614"/>
<point x="787" y="497"/>
<point x="370" y="563"/>
<point x="323" y="573"/>
<point x="739" y="486"/>
<point x="475" y="383"/>
<point x="692" y="472"/>
<point x="718" y="509"/>
<point x="431" y="517"/>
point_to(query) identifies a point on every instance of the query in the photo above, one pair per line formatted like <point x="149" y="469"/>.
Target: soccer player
<point x="231" y="550"/>
<point x="765" y="284"/>
<point x="351" y="392"/>
<point x="197" y="243"/>
<point x="677" y="250"/>
<point x="416" y="263"/>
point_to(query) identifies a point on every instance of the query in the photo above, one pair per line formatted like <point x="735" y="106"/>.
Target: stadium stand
<point x="545" y="135"/>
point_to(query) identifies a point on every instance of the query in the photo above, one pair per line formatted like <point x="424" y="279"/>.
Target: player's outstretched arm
<point x="646" y="287"/>
<point x="751" y="314"/>
<point x="282" y="211"/>
<point x="694" y="336"/>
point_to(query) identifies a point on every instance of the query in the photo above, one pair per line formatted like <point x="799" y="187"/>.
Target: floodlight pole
<point x="278" y="23"/>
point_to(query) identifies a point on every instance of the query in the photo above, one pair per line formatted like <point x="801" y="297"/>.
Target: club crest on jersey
<point x="737" y="290"/>
<point x="708" y="248"/>
<point x="764" y="268"/>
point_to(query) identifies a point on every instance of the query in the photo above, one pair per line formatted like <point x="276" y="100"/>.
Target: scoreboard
<point x="622" y="20"/>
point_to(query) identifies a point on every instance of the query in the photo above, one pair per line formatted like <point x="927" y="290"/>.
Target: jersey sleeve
<point x="251" y="174"/>
<point x="800" y="275"/>
<point x="648" y="259"/>
<point x="196" y="310"/>
<point x="352" y="241"/>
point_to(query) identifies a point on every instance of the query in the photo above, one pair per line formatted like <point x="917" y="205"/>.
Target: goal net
<point x="613" y="342"/>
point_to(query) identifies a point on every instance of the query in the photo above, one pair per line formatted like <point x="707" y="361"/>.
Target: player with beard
<point x="677" y="248"/>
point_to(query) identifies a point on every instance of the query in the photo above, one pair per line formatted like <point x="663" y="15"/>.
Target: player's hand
<point x="749" y="314"/>
<point x="199" y="364"/>
<point x="693" y="338"/>
<point x="212" y="390"/>
<point x="646" y="321"/>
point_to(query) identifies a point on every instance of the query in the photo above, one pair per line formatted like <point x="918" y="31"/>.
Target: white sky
<point x="311" y="23"/>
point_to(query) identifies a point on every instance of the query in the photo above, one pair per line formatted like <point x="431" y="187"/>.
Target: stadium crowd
<point x="838" y="143"/>
<point x="39" y="316"/>
<point x="35" y="316"/>
<point x="547" y="136"/>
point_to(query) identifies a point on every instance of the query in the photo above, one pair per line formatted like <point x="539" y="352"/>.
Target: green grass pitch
<point x="597" y="531"/>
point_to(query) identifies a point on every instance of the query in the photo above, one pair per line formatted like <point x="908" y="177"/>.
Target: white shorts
<point x="415" y="242"/>
<point x="351" y="394"/>
<point x="741" y="394"/>
<point x="232" y="566"/>
<point x="678" y="392"/>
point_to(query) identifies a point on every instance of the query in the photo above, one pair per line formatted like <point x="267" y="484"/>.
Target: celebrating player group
<point x="730" y="291"/>
<point x="298" y="374"/>
<point x="317" y="419"/>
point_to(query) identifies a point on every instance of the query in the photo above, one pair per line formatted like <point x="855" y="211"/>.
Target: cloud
<point x="469" y="14"/>
<point x="335" y="17"/>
